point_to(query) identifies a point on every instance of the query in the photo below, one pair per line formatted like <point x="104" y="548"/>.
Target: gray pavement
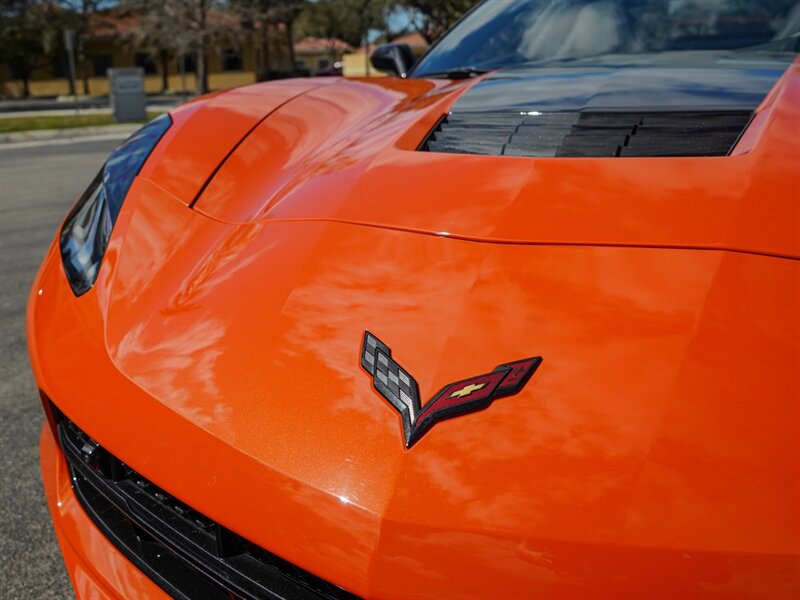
<point x="15" y="140"/>
<point x="31" y="105"/>
<point x="69" y="112"/>
<point x="37" y="186"/>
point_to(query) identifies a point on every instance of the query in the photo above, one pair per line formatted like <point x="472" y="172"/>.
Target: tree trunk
<point x="84" y="66"/>
<point x="366" y="55"/>
<point x="202" y="70"/>
<point x="26" y="87"/>
<point x="71" y="75"/>
<point x="164" y="55"/>
<point x="86" y="7"/>
<point x="290" y="44"/>
<point x="202" y="52"/>
<point x="206" y="85"/>
<point x="182" y="68"/>
<point x="365" y="6"/>
<point x="264" y="50"/>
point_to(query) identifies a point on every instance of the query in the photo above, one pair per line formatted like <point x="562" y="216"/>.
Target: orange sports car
<point x="521" y="320"/>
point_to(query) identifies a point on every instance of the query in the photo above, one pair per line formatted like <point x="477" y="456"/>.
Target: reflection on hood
<point x="570" y="29"/>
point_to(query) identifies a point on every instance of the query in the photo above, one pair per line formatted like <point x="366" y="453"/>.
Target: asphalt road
<point x="20" y="105"/>
<point x="37" y="187"/>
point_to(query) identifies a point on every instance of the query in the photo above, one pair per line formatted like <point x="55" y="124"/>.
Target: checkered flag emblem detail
<point x="397" y="386"/>
<point x="389" y="378"/>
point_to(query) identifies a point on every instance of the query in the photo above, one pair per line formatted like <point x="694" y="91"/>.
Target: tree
<point x="163" y="28"/>
<point x="373" y="16"/>
<point x="266" y="16"/>
<point x="287" y="13"/>
<point x="184" y="27"/>
<point x="333" y="19"/>
<point x="199" y="23"/>
<point x="347" y="20"/>
<point x="81" y="12"/>
<point x="435" y="17"/>
<point x="28" y="33"/>
<point x="258" y="15"/>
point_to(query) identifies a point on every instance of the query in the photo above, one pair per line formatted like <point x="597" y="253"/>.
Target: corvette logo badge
<point x="401" y="390"/>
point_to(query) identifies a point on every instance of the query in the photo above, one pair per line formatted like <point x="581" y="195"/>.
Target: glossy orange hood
<point x="347" y="152"/>
<point x="662" y="416"/>
<point x="206" y="130"/>
<point x="660" y="293"/>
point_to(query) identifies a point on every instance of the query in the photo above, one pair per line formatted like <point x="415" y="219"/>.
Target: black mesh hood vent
<point x="588" y="134"/>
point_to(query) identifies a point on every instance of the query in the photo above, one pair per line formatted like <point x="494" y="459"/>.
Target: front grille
<point x="589" y="133"/>
<point x="184" y="552"/>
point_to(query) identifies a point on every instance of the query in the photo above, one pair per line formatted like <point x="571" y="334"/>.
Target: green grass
<point x="59" y="122"/>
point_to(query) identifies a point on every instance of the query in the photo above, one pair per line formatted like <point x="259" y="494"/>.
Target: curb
<point x="76" y="133"/>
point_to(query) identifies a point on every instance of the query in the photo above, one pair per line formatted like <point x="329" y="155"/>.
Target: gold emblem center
<point x="467" y="390"/>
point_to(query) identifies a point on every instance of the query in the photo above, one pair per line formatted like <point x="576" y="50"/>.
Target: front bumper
<point x="184" y="552"/>
<point x="95" y="567"/>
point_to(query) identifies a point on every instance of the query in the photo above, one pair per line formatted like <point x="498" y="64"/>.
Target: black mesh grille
<point x="589" y="134"/>
<point x="184" y="552"/>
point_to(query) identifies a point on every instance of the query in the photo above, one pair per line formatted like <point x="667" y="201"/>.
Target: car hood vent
<point x="588" y="134"/>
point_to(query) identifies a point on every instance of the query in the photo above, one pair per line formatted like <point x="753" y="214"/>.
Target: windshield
<point x="502" y="33"/>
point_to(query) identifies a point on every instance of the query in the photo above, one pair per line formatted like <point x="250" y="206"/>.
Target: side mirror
<point x="395" y="59"/>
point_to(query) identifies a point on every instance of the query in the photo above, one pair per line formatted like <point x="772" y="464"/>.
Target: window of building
<point x="231" y="60"/>
<point x="323" y="63"/>
<point x="101" y="63"/>
<point x="145" y="60"/>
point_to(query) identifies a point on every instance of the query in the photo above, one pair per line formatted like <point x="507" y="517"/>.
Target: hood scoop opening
<point x="588" y="134"/>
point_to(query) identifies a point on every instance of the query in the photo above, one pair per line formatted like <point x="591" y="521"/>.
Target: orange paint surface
<point x="655" y="453"/>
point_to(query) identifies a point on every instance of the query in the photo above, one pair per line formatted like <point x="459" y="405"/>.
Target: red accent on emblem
<point x="518" y="372"/>
<point x="444" y="400"/>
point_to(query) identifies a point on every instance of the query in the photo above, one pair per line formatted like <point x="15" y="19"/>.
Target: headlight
<point x="87" y="229"/>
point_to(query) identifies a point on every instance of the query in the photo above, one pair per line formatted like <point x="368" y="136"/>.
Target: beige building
<point x="319" y="56"/>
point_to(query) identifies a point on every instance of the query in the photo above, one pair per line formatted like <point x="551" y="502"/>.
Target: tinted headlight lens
<point x="87" y="229"/>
